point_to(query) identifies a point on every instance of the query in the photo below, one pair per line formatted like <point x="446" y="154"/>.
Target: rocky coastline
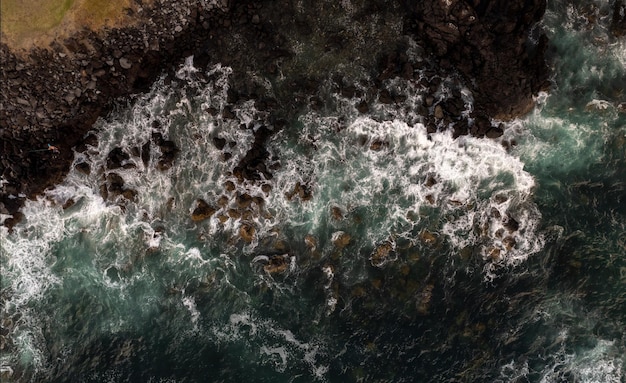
<point x="53" y="95"/>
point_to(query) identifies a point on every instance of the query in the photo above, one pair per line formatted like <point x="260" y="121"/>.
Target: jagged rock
<point x="303" y="191"/>
<point x="428" y="238"/>
<point x="83" y="167"/>
<point x="115" y="183"/>
<point x="618" y="20"/>
<point x="202" y="211"/>
<point x="116" y="158"/>
<point x="510" y="223"/>
<point x="219" y="142"/>
<point x="489" y="33"/>
<point x="438" y="112"/>
<point x="252" y="166"/>
<point x="168" y="154"/>
<point x="378" y="145"/>
<point x="129" y="194"/>
<point x="247" y="232"/>
<point x="362" y="107"/>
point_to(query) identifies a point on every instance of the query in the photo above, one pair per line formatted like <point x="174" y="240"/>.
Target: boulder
<point x="202" y="211"/>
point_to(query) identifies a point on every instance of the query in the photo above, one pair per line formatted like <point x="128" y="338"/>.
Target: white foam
<point x="28" y="252"/>
<point x="281" y="364"/>
<point x="473" y="177"/>
<point x="331" y="299"/>
<point x="601" y="364"/>
<point x="190" y="305"/>
<point x="280" y="347"/>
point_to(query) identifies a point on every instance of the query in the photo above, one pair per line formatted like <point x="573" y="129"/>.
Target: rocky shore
<point x="53" y="95"/>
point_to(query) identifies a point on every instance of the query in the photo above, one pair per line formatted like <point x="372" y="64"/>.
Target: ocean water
<point x="369" y="250"/>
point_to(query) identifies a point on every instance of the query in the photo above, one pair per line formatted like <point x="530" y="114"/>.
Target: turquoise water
<point x="400" y="257"/>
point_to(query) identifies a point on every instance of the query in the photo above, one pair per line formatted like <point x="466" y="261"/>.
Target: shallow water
<point x="402" y="256"/>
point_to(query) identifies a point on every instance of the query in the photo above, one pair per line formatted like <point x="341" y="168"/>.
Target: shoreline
<point x="54" y="96"/>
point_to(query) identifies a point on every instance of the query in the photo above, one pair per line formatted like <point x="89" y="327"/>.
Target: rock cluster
<point x="54" y="95"/>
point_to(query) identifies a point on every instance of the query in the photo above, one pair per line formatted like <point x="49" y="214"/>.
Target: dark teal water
<point x="404" y="258"/>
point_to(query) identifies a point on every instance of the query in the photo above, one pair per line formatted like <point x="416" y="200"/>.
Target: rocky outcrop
<point x="54" y="95"/>
<point x="618" y="20"/>
<point x="493" y="44"/>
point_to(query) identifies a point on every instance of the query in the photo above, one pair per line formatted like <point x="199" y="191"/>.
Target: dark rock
<point x="145" y="153"/>
<point x="382" y="254"/>
<point x="219" y="142"/>
<point x="618" y="20"/>
<point x="168" y="154"/>
<point x="385" y="97"/>
<point x="125" y="63"/>
<point x="252" y="166"/>
<point x="276" y="264"/>
<point x="490" y="33"/>
<point x="510" y="223"/>
<point x="377" y="145"/>
<point x="247" y="232"/>
<point x="83" y="167"/>
<point x="438" y="112"/>
<point x="460" y="128"/>
<point x="303" y="191"/>
<point x="202" y="211"/>
<point x="129" y="194"/>
<point x="56" y="95"/>
<point x="116" y="158"/>
<point x="336" y="213"/>
<point x="244" y="200"/>
<point x="228" y="114"/>
<point x="454" y="106"/>
<point x="430" y="181"/>
<point x="362" y="107"/>
<point x="115" y="183"/>
<point x="13" y="220"/>
<point x="229" y="186"/>
<point x="494" y="132"/>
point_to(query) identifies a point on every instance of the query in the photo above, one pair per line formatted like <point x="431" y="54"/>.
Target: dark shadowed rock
<point x="618" y="20"/>
<point x="83" y="167"/>
<point x="477" y="37"/>
<point x="116" y="158"/>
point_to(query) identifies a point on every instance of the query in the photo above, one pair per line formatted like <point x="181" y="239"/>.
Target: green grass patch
<point x="25" y="17"/>
<point x="25" y="23"/>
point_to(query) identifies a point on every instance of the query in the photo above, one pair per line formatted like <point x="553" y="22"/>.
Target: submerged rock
<point x="382" y="254"/>
<point x="277" y="264"/>
<point x="341" y="239"/>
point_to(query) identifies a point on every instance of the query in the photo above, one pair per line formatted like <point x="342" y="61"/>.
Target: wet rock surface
<point x="489" y="43"/>
<point x="54" y="96"/>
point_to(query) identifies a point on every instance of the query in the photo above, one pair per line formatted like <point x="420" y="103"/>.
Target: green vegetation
<point x="24" y="18"/>
<point x="26" y="23"/>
